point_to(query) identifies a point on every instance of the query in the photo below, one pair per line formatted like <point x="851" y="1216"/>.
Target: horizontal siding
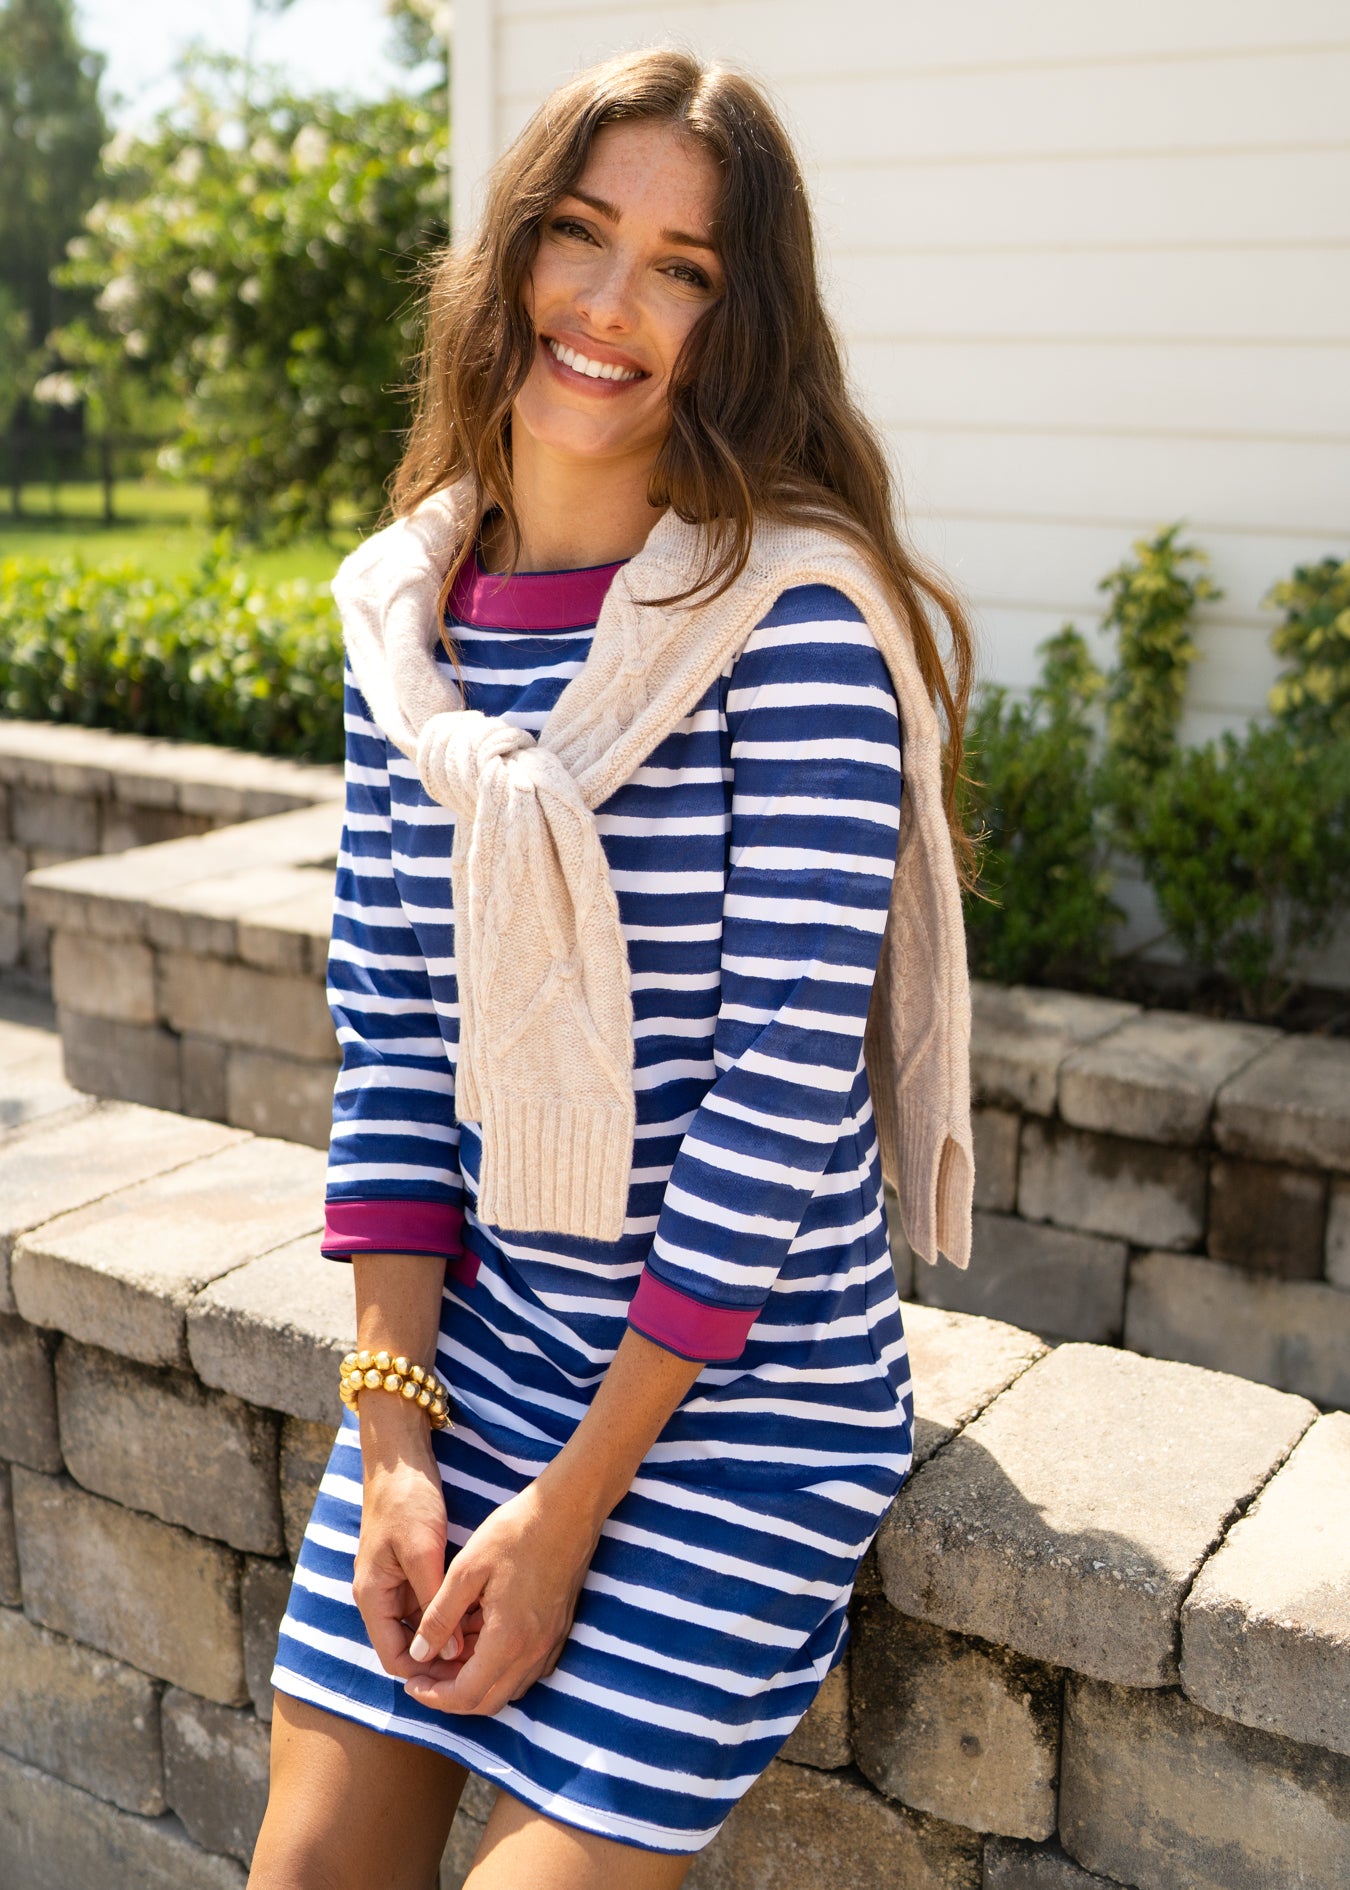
<point x="1092" y="266"/>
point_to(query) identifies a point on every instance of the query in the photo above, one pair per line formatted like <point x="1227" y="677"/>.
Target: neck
<point x="574" y="512"/>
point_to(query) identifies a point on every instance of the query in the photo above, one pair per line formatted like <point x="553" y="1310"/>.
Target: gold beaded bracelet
<point x="380" y="1371"/>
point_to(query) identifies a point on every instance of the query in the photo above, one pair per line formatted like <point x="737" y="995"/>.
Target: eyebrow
<point x="612" y="215"/>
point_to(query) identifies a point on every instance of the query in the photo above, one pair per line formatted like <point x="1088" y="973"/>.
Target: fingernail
<point x="421" y="1647"/>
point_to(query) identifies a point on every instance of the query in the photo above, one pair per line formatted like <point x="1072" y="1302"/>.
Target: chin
<point x="563" y="428"/>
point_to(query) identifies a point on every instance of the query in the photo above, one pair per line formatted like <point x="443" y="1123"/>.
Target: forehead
<point x="653" y="173"/>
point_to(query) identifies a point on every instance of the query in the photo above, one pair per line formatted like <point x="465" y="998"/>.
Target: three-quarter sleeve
<point x="815" y="753"/>
<point x="394" y="1184"/>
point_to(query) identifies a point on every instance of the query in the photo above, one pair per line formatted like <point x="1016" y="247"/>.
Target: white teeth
<point x="593" y="370"/>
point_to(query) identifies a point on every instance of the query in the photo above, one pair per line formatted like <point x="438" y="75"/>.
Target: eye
<point x="571" y="226"/>
<point x="689" y="273"/>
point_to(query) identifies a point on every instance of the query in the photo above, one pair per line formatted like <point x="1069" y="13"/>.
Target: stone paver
<point x="475" y="1805"/>
<point x="274" y="1095"/>
<point x="953" y="1726"/>
<point x="1068" y="1285"/>
<point x="203" y="917"/>
<point x="1292" y="1104"/>
<point x="304" y="1458"/>
<point x="1010" y="1864"/>
<point x="1156" y="1076"/>
<point x="61" y="1165"/>
<point x="104" y="978"/>
<point x="1265" y="1217"/>
<point x="1104" y="1184"/>
<point x="1157" y="1792"/>
<point x="798" y="1826"/>
<point x="995" y="1133"/>
<point x="261" y="1009"/>
<point x="274" y="1332"/>
<point x="36" y="1090"/>
<point x="55" y="823"/>
<point x="959" y="1365"/>
<point x="88" y="1719"/>
<point x="121" y="1273"/>
<point x="263" y="1593"/>
<point x="28" y="1432"/>
<point x="1020" y="1036"/>
<point x="131" y="1586"/>
<point x="129" y="1062"/>
<point x="55" y="1837"/>
<point x="159" y="1441"/>
<point x="822" y="1736"/>
<point x="292" y="934"/>
<point x="1068" y="1521"/>
<point x="1294" y="1334"/>
<point x="1266" y="1628"/>
<point x="215" y="1771"/>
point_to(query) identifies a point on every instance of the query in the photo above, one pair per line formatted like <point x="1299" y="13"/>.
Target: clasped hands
<point x="478" y="1635"/>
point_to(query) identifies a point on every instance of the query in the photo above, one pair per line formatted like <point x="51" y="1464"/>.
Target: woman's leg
<point x="521" y="1847"/>
<point x="349" y="1807"/>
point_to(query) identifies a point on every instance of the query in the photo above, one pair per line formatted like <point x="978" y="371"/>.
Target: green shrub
<point x="1043" y="912"/>
<point x="1153" y="598"/>
<point x="213" y="657"/>
<point x="1246" y="844"/>
<point x="1312" y="693"/>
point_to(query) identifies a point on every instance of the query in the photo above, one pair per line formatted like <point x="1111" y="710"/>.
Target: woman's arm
<point x="509" y="1597"/>
<point x="400" y="1560"/>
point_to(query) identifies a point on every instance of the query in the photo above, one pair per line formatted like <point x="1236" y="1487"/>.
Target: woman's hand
<point x="400" y="1559"/>
<point x="505" y="1608"/>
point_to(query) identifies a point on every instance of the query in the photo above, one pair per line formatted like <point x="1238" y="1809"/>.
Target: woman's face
<point x="626" y="265"/>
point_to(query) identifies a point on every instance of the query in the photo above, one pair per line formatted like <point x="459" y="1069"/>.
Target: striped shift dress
<point x="752" y="857"/>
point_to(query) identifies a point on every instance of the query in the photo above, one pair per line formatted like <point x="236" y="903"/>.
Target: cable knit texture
<point x="546" y="1054"/>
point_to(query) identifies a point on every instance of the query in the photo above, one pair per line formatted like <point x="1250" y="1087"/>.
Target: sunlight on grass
<point x="161" y="527"/>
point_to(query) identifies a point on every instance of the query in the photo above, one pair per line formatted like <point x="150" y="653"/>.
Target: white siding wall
<point x="1092" y="264"/>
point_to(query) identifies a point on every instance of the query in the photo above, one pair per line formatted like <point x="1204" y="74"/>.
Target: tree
<point x="258" y="257"/>
<point x="51" y="131"/>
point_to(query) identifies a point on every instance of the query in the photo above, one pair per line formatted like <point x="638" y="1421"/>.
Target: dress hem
<point x="456" y="1747"/>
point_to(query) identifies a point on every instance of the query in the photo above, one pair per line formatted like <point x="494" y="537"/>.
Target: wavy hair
<point x="762" y="420"/>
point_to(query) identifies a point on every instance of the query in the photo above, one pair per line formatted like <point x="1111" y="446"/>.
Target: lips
<point x="587" y="367"/>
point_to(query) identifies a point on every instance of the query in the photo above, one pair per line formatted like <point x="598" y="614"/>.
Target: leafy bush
<point x="1153" y="598"/>
<point x="213" y="657"/>
<point x="1313" y="691"/>
<point x="1246" y="844"/>
<point x="1044" y="910"/>
<point x="255" y="259"/>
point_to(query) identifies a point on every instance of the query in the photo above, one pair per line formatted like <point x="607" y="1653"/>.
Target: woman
<point x="604" y="1154"/>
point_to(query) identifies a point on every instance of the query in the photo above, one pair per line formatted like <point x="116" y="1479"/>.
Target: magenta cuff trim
<point x="687" y="1326"/>
<point x="432" y="1227"/>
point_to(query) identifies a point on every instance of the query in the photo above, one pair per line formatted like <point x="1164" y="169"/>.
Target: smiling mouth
<point x="590" y="370"/>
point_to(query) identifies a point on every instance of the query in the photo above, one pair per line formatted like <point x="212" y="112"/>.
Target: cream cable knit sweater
<point x="546" y="1047"/>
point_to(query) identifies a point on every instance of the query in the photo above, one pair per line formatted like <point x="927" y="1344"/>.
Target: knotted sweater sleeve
<point x="815" y="752"/>
<point x="394" y="1184"/>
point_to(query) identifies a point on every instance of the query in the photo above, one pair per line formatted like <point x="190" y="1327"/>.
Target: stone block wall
<point x="1104" y="1637"/>
<point x="66" y="793"/>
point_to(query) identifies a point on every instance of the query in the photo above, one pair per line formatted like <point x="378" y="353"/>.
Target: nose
<point x="608" y="298"/>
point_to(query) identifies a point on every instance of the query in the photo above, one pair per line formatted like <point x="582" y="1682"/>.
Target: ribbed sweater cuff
<point x="935" y="1180"/>
<point x="550" y="1165"/>
<point x="686" y="1326"/>
<point x="385" y="1226"/>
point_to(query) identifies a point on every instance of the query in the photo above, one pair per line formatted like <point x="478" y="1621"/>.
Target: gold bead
<point x="424" y="1397"/>
<point x="418" y="1373"/>
<point x="409" y="1388"/>
<point x="364" y="1360"/>
<point x="355" y="1380"/>
<point x="392" y="1382"/>
<point x="437" y="1408"/>
<point x="374" y="1379"/>
<point x="349" y="1361"/>
<point x="383" y="1362"/>
<point x="401" y="1367"/>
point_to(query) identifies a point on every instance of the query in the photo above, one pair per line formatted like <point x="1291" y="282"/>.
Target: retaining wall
<point x="1143" y="1178"/>
<point x="1105" y="1636"/>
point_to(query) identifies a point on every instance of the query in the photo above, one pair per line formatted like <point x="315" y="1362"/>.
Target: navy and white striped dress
<point x="752" y="858"/>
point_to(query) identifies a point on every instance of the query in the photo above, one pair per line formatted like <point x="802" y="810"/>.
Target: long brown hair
<point x="761" y="417"/>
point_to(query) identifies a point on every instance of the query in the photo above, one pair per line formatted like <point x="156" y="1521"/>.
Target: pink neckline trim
<point x="531" y="600"/>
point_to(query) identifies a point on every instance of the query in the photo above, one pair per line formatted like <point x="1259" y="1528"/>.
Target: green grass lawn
<point x="161" y="527"/>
